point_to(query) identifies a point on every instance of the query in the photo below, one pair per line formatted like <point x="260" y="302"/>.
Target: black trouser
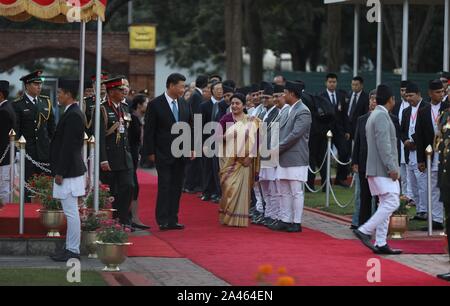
<point x="170" y="183"/>
<point x="194" y="175"/>
<point x="121" y="184"/>
<point x="318" y="149"/>
<point x="343" y="147"/>
<point x="365" y="212"/>
<point x="211" y="181"/>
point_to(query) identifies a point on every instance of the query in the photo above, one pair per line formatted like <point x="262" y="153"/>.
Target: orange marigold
<point x="266" y="269"/>
<point x="286" y="281"/>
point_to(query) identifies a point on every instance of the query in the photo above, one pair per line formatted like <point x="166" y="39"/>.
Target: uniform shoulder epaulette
<point x="45" y="97"/>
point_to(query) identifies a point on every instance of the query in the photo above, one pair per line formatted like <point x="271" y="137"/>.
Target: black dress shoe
<point x="164" y="227"/>
<point x="282" y="227"/>
<point x="365" y="239"/>
<point x="176" y="227"/>
<point x="295" y="228"/>
<point x="420" y="217"/>
<point x="445" y="277"/>
<point x="386" y="250"/>
<point x="205" y="198"/>
<point x="140" y="226"/>
<point x="65" y="256"/>
<point x="436" y="227"/>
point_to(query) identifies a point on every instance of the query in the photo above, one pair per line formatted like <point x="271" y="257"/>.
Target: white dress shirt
<point x="31" y="98"/>
<point x="353" y="102"/>
<point x="412" y="131"/>
<point x="330" y="94"/>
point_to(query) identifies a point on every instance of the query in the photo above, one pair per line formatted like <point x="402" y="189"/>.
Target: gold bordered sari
<point x="236" y="180"/>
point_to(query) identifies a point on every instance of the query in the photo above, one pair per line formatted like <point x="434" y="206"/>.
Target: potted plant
<point x="51" y="214"/>
<point x="41" y="184"/>
<point x="112" y="244"/>
<point x="105" y="201"/>
<point x="90" y="224"/>
<point x="398" y="224"/>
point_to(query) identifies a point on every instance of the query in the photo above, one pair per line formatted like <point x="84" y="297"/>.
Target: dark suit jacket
<point x="223" y="107"/>
<point x="195" y="101"/>
<point x="341" y="125"/>
<point x="159" y="120"/>
<point x="425" y="131"/>
<point x="207" y="114"/>
<point x="360" y="149"/>
<point x="66" y="146"/>
<point x="404" y="133"/>
<point x="360" y="108"/>
<point x="8" y="121"/>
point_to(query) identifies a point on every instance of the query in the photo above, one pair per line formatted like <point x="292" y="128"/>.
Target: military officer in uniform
<point x="35" y="121"/>
<point x="89" y="104"/>
<point x="442" y="145"/>
<point x="115" y="155"/>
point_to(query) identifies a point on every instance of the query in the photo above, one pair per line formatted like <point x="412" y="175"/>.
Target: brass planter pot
<point x="89" y="240"/>
<point x="53" y="221"/>
<point x="398" y="226"/>
<point x="112" y="255"/>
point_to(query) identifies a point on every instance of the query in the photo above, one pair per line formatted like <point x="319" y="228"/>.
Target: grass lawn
<point x="344" y="196"/>
<point x="46" y="277"/>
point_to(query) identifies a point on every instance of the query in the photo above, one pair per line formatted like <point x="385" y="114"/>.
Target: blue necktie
<point x="175" y="111"/>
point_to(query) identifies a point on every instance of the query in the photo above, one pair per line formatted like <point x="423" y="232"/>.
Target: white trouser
<point x="406" y="187"/>
<point x="70" y="207"/>
<point x="438" y="206"/>
<point x="68" y="194"/>
<point x="379" y="223"/>
<point x="292" y="201"/>
<point x="259" y="199"/>
<point x="418" y="183"/>
<point x="4" y="183"/>
<point x="271" y="196"/>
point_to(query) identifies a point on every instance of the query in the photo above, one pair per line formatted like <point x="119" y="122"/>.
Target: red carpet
<point x="235" y="255"/>
<point x="151" y="246"/>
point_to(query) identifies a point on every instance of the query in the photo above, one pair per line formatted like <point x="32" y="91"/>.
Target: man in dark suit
<point x="68" y="167"/>
<point x="359" y="162"/>
<point x="8" y="120"/>
<point x="340" y="128"/>
<point x="116" y="160"/>
<point x="416" y="179"/>
<point x="359" y="103"/>
<point x="194" y="169"/>
<point x="35" y="121"/>
<point x="427" y="128"/>
<point x="210" y="111"/>
<point x="163" y="113"/>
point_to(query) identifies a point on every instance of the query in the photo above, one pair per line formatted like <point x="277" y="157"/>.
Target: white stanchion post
<point x="91" y="160"/>
<point x="429" y="152"/>
<point x="22" y="143"/>
<point x="12" y="158"/>
<point x="328" y="183"/>
<point x="85" y="150"/>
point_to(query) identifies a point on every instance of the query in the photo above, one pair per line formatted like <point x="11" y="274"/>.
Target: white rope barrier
<point x="338" y="161"/>
<point x="352" y="201"/>
<point x="4" y="154"/>
<point x="321" y="167"/>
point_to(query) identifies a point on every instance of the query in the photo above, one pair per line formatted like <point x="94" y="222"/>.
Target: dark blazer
<point x="8" y="121"/>
<point x="207" y="114"/>
<point x="406" y="120"/>
<point x="195" y="101"/>
<point x="223" y="107"/>
<point x="66" y="145"/>
<point x="134" y="135"/>
<point x="425" y="131"/>
<point x="158" y="126"/>
<point x="37" y="124"/>
<point x="360" y="149"/>
<point x="341" y="125"/>
<point x="360" y="108"/>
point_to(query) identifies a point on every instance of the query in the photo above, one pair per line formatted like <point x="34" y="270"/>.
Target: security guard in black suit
<point x="442" y="145"/>
<point x="35" y="121"/>
<point x="115" y="155"/>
